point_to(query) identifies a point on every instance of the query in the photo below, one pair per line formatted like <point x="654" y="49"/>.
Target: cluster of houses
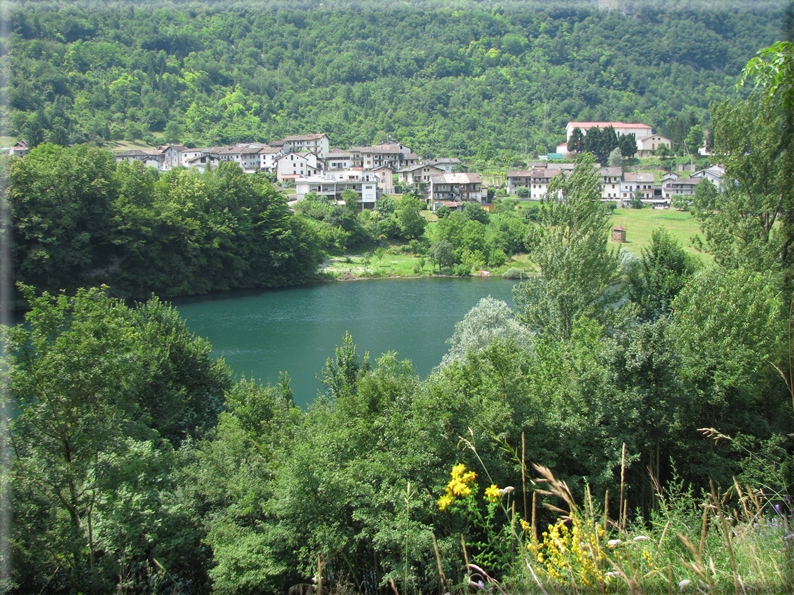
<point x="617" y="186"/>
<point x="314" y="166"/>
<point x="309" y="161"/>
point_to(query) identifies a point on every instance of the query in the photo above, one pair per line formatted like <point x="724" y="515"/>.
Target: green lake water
<point x="295" y="330"/>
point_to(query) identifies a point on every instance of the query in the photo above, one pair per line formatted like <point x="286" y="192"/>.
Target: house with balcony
<point x="634" y="182"/>
<point x="446" y="164"/>
<point x="392" y="155"/>
<point x="332" y="184"/>
<point x="338" y="159"/>
<point x="464" y="187"/>
<point x="610" y="182"/>
<point x="681" y="186"/>
<point x="414" y="175"/>
<point x="536" y="180"/>
<point x="304" y="143"/>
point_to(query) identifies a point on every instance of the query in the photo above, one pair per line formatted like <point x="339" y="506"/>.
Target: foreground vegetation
<point x="139" y="465"/>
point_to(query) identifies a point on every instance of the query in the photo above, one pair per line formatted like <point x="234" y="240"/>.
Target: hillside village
<point x="310" y="163"/>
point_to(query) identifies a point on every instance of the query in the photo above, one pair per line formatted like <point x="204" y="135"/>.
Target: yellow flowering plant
<point x="489" y="540"/>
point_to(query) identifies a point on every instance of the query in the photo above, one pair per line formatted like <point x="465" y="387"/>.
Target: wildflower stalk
<point x="621" y="517"/>
<point x="442" y="579"/>
<point x="524" y="473"/>
<point x="704" y="528"/>
<point x="465" y="558"/>
<point x="727" y="534"/>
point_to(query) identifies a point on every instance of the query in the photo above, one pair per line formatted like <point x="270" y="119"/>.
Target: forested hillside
<point x="491" y="81"/>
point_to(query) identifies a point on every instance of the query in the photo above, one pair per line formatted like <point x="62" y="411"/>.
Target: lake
<point x="262" y="333"/>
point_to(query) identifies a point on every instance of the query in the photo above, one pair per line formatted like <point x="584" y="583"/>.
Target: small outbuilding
<point x="619" y="234"/>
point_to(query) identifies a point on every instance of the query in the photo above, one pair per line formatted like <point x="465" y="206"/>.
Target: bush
<point x="462" y="270"/>
<point x="514" y="273"/>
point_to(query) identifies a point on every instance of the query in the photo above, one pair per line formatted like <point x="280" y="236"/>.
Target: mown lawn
<point x="639" y="224"/>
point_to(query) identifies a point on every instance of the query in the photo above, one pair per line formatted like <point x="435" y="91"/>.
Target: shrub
<point x="514" y="273"/>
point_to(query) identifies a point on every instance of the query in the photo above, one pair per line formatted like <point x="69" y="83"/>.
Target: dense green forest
<point x="81" y="219"/>
<point x="484" y="80"/>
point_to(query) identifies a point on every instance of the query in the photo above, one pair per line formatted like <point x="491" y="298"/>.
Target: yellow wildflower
<point x="457" y="471"/>
<point x="459" y="486"/>
<point x="525" y="525"/>
<point x="492" y="493"/>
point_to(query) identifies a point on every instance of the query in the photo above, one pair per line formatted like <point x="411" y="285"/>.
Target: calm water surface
<point x="295" y="330"/>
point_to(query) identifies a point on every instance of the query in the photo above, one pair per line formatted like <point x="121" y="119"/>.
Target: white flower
<point x="684" y="584"/>
<point x="505" y="490"/>
<point x="641" y="538"/>
<point x="614" y="542"/>
<point x="612" y="574"/>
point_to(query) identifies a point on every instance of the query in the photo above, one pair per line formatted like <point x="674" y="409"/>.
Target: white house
<point x="418" y="174"/>
<point x="610" y="182"/>
<point x="297" y="165"/>
<point x="682" y="186"/>
<point x="456" y="187"/>
<point x="268" y="156"/>
<point x="393" y="155"/>
<point x="633" y="181"/>
<point x="149" y="158"/>
<point x="445" y="164"/>
<point x="203" y="162"/>
<point x="536" y="180"/>
<point x="337" y="159"/>
<point x="305" y="143"/>
<point x="647" y="145"/>
<point x="518" y="179"/>
<point x="333" y="184"/>
<point x="713" y="174"/>
<point x="185" y="155"/>
<point x="171" y="156"/>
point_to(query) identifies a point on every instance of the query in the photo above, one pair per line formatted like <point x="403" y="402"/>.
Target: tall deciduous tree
<point x="94" y="381"/>
<point x="60" y="203"/>
<point x="751" y="224"/>
<point x="412" y="224"/>
<point x="570" y="248"/>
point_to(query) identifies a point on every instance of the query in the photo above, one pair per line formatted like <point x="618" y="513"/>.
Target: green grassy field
<point x="639" y="224"/>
